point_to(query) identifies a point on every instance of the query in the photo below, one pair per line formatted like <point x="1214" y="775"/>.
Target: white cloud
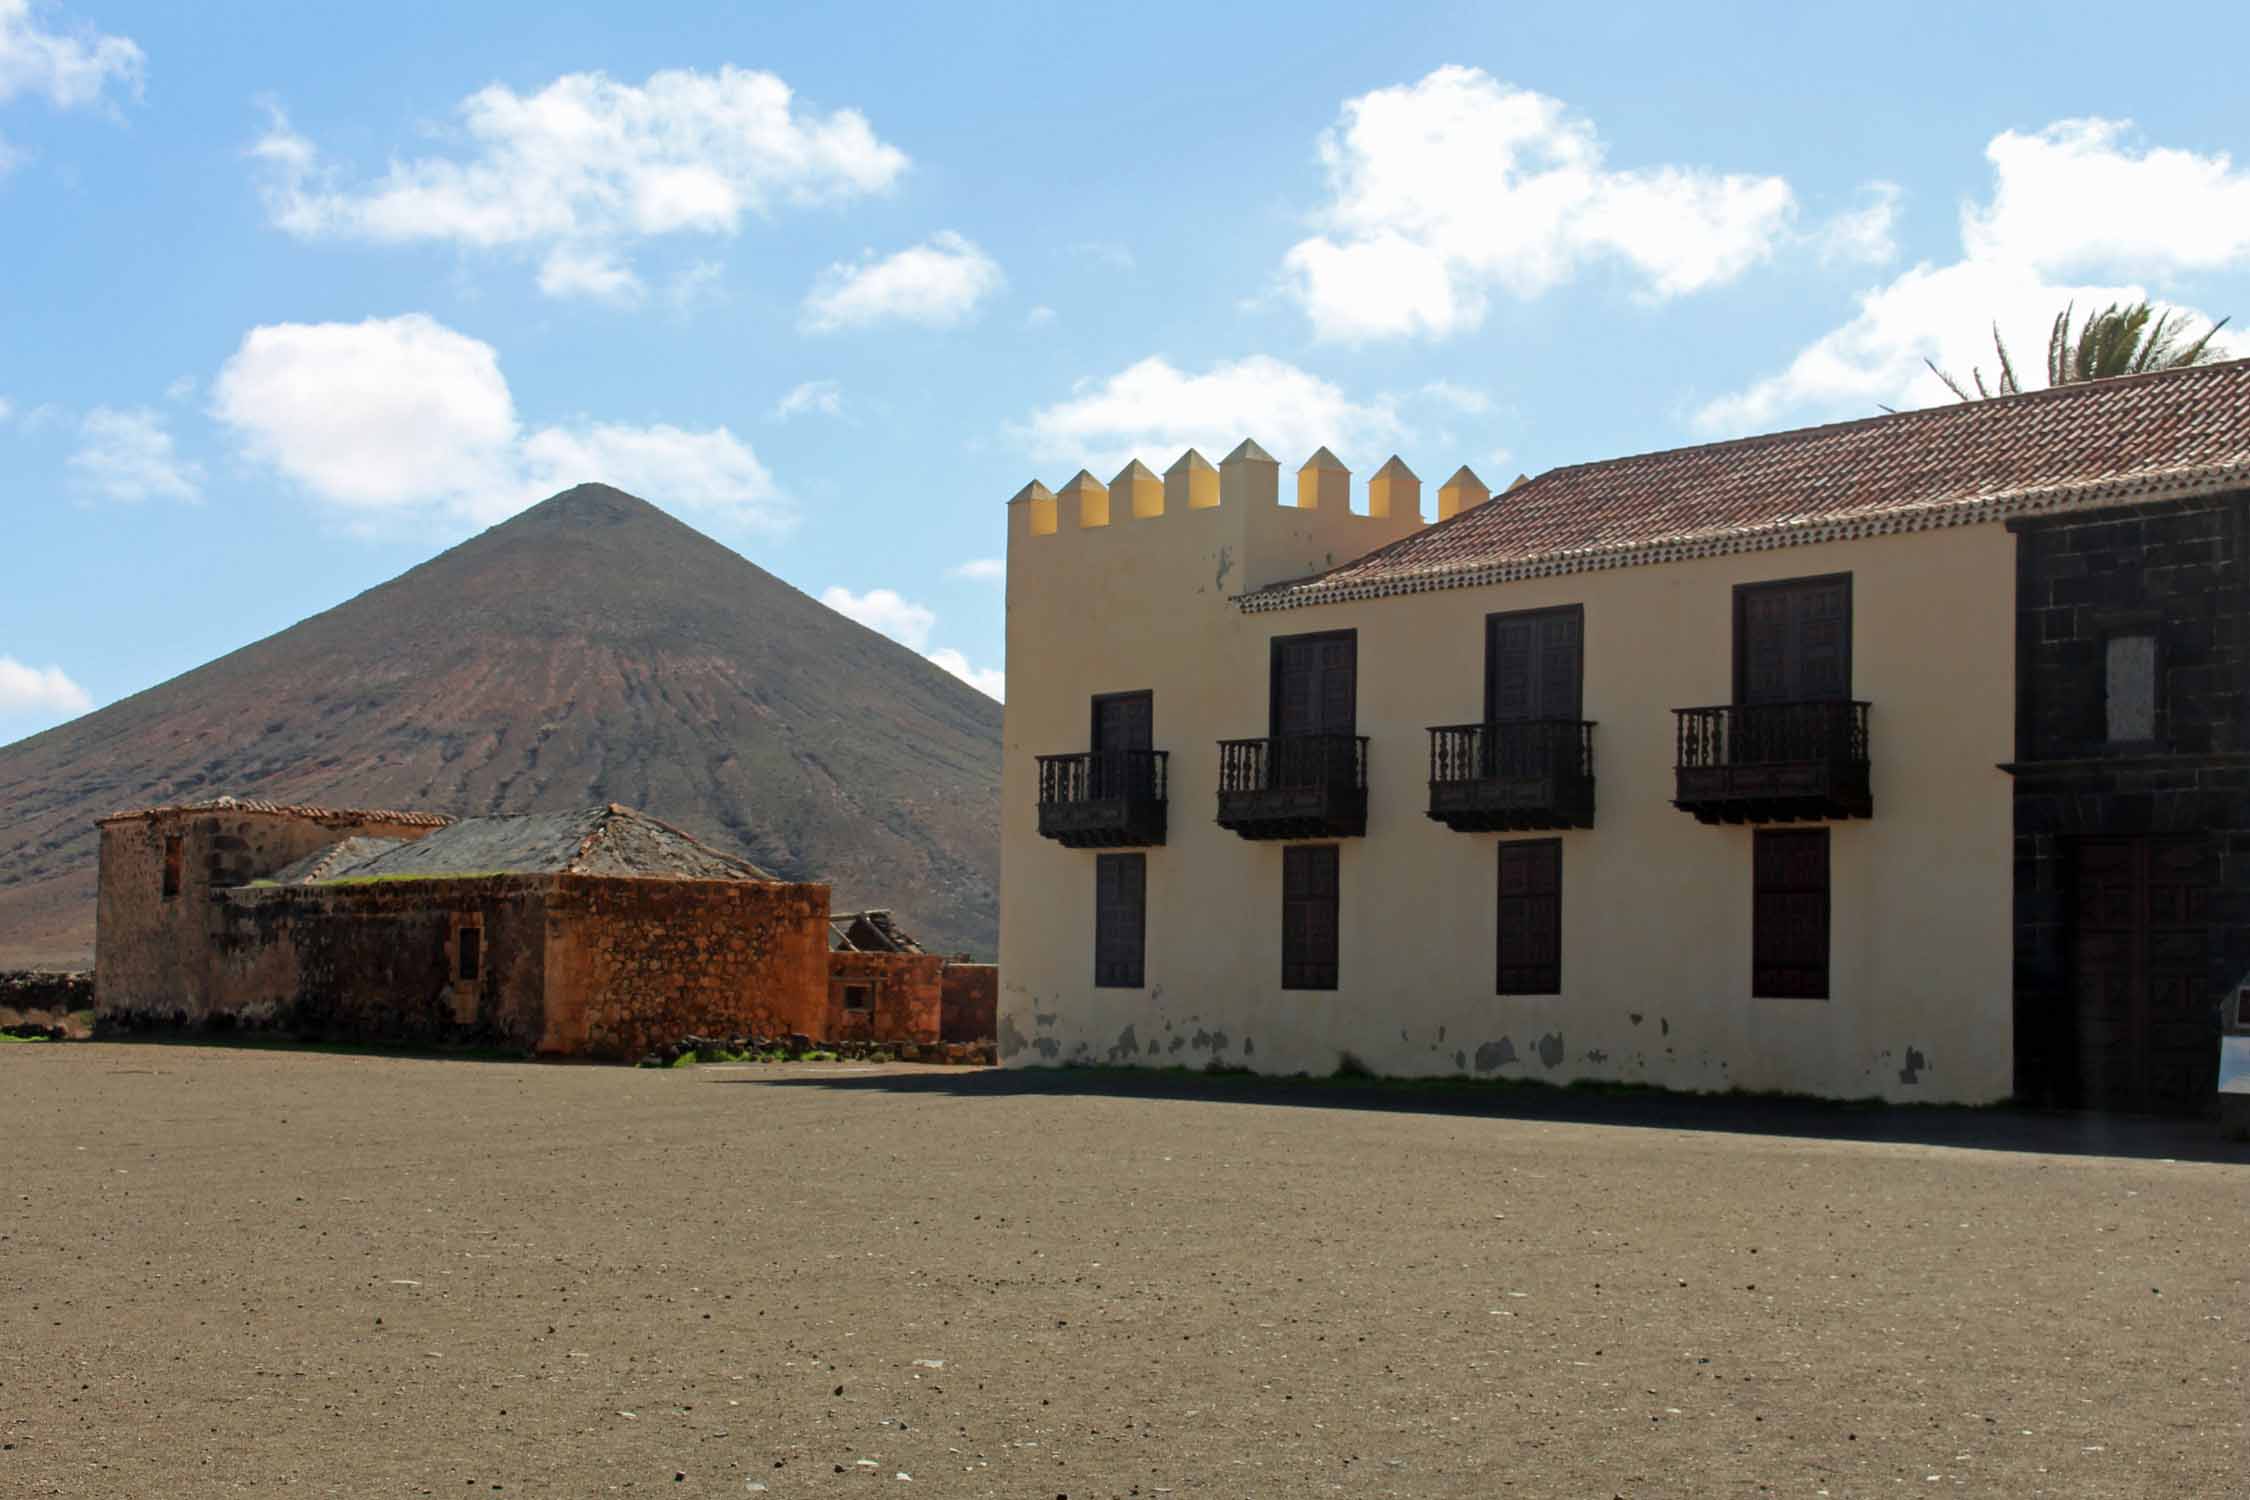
<point x="1863" y="235"/>
<point x="910" y="624"/>
<point x="982" y="570"/>
<point x="39" y="690"/>
<point x="1444" y="189"/>
<point x="180" y="389"/>
<point x="2028" y="250"/>
<point x="6" y="409"/>
<point x="69" y="69"/>
<point x="825" y="397"/>
<point x="403" y="416"/>
<point x="1152" y="410"/>
<point x="128" y="455"/>
<point x="935" y="284"/>
<point x="2078" y="196"/>
<point x="1039" y="317"/>
<point x="885" y="611"/>
<point x="578" y="271"/>
<point x="586" y="166"/>
<point x="990" y="681"/>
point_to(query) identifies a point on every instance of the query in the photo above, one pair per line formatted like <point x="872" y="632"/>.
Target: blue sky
<point x="292" y="297"/>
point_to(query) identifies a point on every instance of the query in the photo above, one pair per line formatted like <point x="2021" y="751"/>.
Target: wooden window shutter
<point x="1530" y="946"/>
<point x="1309" y="890"/>
<point x="1120" y="920"/>
<point x="1790" y="920"/>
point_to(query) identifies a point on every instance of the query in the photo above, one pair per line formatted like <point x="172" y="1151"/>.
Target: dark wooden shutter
<point x="1308" y="917"/>
<point x="1789" y="941"/>
<point x="1533" y="665"/>
<point x="1530" y="960"/>
<point x="1316" y="684"/>
<point x="1123" y="722"/>
<point x="1793" y="642"/>
<point x="1120" y="919"/>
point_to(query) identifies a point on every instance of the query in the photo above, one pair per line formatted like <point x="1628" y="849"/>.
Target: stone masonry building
<point x="599" y="933"/>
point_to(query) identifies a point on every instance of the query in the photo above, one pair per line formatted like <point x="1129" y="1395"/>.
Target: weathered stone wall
<point x="908" y="997"/>
<point x="971" y="1002"/>
<point x="2182" y="571"/>
<point x="150" y="949"/>
<point x="634" y="964"/>
<point x="378" y="963"/>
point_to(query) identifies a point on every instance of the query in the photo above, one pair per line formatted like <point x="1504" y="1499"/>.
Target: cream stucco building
<point x="1706" y="769"/>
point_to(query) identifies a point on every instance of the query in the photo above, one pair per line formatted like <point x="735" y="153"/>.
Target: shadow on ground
<point x="2045" y="1132"/>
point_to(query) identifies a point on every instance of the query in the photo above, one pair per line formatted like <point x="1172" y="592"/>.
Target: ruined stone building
<point x="882" y="985"/>
<point x="595" y="933"/>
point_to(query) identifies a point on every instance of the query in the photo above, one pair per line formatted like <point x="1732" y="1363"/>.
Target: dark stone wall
<point x="376" y="962"/>
<point x="2179" y="570"/>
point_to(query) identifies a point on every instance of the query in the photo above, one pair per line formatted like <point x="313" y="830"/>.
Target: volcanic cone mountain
<point x="590" y="650"/>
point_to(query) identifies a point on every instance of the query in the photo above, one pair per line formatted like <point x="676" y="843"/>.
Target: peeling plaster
<point x="1634" y="1016"/>
<point x="1596" y="1055"/>
<point x="1495" y="1055"/>
<point x="1551" y="1049"/>
<point x="1012" y="1041"/>
<point x="1128" y="1046"/>
<point x="1226" y="566"/>
<point x="1915" y="1063"/>
<point x="1049" y="1019"/>
<point x="1249" y="1048"/>
<point x="1460" y="1062"/>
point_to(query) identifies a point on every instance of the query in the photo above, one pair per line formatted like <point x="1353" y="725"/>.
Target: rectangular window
<point x="1120" y="920"/>
<point x="1530" y="960"/>
<point x="1534" y="665"/>
<point x="468" y="948"/>
<point x="2130" y="687"/>
<point x="1308" y="916"/>
<point x="1789" y="940"/>
<point x="174" y="857"/>
<point x="1793" y="641"/>
<point x="858" y="997"/>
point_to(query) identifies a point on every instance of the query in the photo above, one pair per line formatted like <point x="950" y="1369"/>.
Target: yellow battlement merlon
<point x="1245" y="477"/>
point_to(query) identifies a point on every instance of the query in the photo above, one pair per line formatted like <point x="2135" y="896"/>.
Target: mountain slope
<point x="590" y="650"/>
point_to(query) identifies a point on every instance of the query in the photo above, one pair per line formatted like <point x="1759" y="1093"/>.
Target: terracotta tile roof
<point x="2106" y="442"/>
<point x="608" y="840"/>
<point x="330" y="815"/>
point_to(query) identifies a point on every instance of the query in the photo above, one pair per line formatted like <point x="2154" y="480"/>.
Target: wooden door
<point x="1793" y="641"/>
<point x="1531" y="666"/>
<point x="1123" y="722"/>
<point x="1316" y="684"/>
<point x="2143" y="1033"/>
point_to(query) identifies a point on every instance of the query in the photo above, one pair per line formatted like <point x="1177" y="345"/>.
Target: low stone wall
<point x="41" y="1002"/>
<point x="970" y="1007"/>
<point x="634" y="964"/>
<point x="905" y="992"/>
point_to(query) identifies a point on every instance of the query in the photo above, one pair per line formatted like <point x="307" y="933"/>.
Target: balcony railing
<point x="1773" y="762"/>
<point x="1487" y="778"/>
<point x="1294" y="786"/>
<point x="1103" y="799"/>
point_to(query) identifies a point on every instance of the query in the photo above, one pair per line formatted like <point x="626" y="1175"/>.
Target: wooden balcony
<point x="1103" y="799"/>
<point x="1505" y="778"/>
<point x="1773" y="762"/>
<point x="1306" y="786"/>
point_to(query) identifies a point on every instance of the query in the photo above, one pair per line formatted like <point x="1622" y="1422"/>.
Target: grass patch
<point x="9" y="1036"/>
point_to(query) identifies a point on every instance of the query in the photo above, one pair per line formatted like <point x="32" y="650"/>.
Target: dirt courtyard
<point x="239" y="1272"/>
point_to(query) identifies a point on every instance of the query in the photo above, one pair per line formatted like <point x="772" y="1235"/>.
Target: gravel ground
<point x="240" y="1272"/>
